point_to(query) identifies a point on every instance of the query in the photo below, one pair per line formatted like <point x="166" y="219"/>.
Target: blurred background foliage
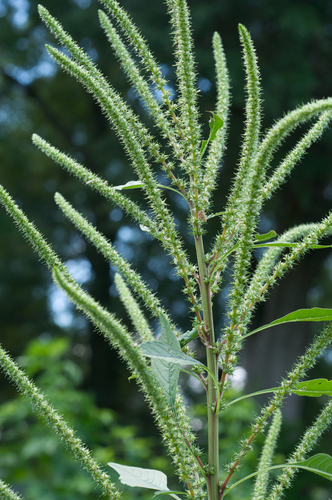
<point x="34" y="460"/>
<point x="81" y="375"/>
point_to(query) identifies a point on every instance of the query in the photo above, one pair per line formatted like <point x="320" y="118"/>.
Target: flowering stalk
<point x="190" y="162"/>
<point x="7" y="493"/>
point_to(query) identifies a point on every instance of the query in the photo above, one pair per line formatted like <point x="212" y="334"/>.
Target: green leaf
<point x="310" y="388"/>
<point x="138" y="477"/>
<point x="266" y="236"/>
<point x="129" y="185"/>
<point x="313" y="314"/>
<point x="215" y="124"/>
<point x="167" y="373"/>
<point x="204" y="146"/>
<point x="314" y="388"/>
<point x="215" y="215"/>
<point x="159" y="350"/>
<point x="139" y="184"/>
<point x="286" y="244"/>
<point x="188" y="336"/>
<point x="320" y="464"/>
<point x="167" y="336"/>
<point x="170" y="493"/>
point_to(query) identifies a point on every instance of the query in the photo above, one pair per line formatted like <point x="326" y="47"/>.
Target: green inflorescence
<point x="190" y="163"/>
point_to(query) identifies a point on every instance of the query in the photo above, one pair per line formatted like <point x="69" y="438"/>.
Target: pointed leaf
<point x="266" y="236"/>
<point x="159" y="350"/>
<point x="278" y="244"/>
<point x="139" y="184"/>
<point x="170" y="493"/>
<point x="215" y="124"/>
<point x="203" y="147"/>
<point x="168" y="377"/>
<point x="188" y="336"/>
<point x="167" y="336"/>
<point x="167" y="373"/>
<point x="144" y="478"/>
<point x="310" y="388"/>
<point x="313" y="314"/>
<point x="129" y="185"/>
<point x="286" y="244"/>
<point x="215" y="215"/>
<point x="320" y="464"/>
<point x="314" y="388"/>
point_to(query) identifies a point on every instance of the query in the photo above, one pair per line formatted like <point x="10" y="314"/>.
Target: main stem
<point x="213" y="421"/>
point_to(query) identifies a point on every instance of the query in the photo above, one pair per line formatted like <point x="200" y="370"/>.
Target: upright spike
<point x="244" y="188"/>
<point x="307" y="443"/>
<point x="265" y="461"/>
<point x="296" y="154"/>
<point x="131" y="69"/>
<point x="7" y="493"/>
<point x="253" y="102"/>
<point x="138" y="43"/>
<point x="96" y="183"/>
<point x="110" y="253"/>
<point x="133" y="309"/>
<point x="243" y="204"/>
<point x="186" y="73"/>
<point x="118" y="336"/>
<point x="217" y="147"/>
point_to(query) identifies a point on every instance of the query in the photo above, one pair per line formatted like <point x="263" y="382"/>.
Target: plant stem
<point x="212" y="395"/>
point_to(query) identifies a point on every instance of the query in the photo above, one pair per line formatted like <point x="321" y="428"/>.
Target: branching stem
<point x="212" y="395"/>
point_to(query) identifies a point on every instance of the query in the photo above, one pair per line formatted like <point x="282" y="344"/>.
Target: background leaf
<point x="160" y="350"/>
<point x="314" y="388"/>
<point x="287" y="244"/>
<point x="167" y="336"/>
<point x="215" y="124"/>
<point x="129" y="185"/>
<point x="138" y="477"/>
<point x="320" y="464"/>
<point x="167" y="373"/>
<point x="266" y="236"/>
<point x="313" y="314"/>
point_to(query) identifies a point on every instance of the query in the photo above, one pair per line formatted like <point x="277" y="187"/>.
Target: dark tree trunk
<point x="270" y="354"/>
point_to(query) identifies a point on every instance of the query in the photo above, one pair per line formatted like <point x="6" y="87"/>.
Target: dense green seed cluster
<point x="117" y="335"/>
<point x="7" y="493"/>
<point x="306" y="444"/>
<point x="261" y="483"/>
